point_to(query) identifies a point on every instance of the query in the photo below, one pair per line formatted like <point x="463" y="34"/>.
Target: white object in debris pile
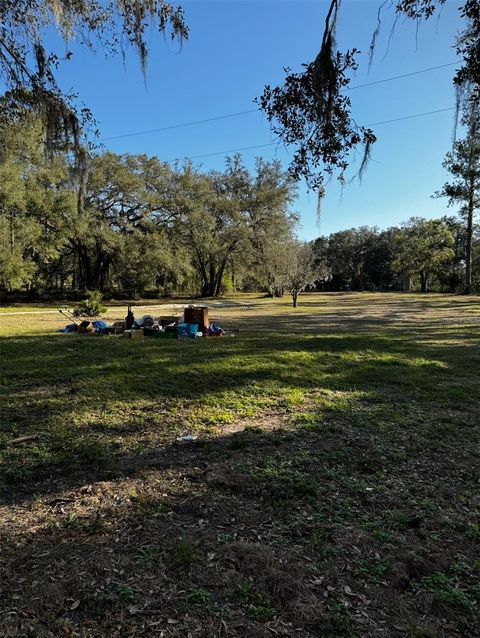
<point x="187" y="437"/>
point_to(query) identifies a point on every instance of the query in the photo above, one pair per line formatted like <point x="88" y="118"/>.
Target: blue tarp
<point x="99" y="326"/>
<point x="71" y="327"/>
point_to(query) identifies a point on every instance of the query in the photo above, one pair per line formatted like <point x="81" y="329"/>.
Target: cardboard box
<point x="133" y="334"/>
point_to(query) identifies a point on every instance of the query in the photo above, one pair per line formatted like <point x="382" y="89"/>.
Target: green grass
<point x="337" y="445"/>
<point x="258" y="606"/>
<point x="443" y="591"/>
<point x="91" y="398"/>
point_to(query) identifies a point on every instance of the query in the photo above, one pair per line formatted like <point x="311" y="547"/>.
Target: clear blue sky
<point x="235" y="48"/>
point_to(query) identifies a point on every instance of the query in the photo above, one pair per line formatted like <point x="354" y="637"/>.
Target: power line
<point x="398" y="77"/>
<point x="255" y="110"/>
<point x="168" y="128"/>
<point x="248" y="148"/>
<point x="231" y="150"/>
<point x="409" y="117"/>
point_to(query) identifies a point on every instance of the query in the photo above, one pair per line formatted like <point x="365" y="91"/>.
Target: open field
<point x="333" y="489"/>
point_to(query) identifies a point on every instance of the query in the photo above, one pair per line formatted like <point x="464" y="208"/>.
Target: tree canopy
<point x="144" y="224"/>
<point x="28" y="67"/>
<point x="463" y="163"/>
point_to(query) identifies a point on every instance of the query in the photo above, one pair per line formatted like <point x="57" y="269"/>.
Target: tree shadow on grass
<point x="244" y="533"/>
<point x="90" y="403"/>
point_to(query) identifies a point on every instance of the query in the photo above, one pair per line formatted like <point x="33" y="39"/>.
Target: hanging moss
<point x="29" y="70"/>
<point x="312" y="113"/>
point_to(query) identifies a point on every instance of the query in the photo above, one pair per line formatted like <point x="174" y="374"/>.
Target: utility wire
<point x="168" y="128"/>
<point x="231" y="150"/>
<point x="409" y="117"/>
<point x="248" y="148"/>
<point x="398" y="77"/>
<point x="255" y="110"/>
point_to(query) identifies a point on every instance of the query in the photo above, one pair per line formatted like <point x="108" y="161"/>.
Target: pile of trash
<point x="192" y="325"/>
<point x="85" y="327"/>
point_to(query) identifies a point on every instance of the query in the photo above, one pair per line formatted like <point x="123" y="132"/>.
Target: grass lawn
<point x="333" y="489"/>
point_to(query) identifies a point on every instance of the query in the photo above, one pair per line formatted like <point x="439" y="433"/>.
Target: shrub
<point x="91" y="306"/>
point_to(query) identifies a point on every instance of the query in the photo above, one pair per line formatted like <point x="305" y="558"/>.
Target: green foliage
<point x="340" y="624"/>
<point x="443" y="590"/>
<point x="259" y="606"/>
<point x="202" y="599"/>
<point x="420" y="253"/>
<point x="122" y="593"/>
<point x="147" y="227"/>
<point x="149" y="555"/>
<point x="143" y="225"/>
<point x="199" y="597"/>
<point x="284" y="480"/>
<point x="473" y="533"/>
<point x="146" y="505"/>
<point x="421" y="246"/>
<point x="82" y="524"/>
<point x="35" y="202"/>
<point x="372" y="571"/>
<point x="90" y="307"/>
<point x="395" y="520"/>
<point x="463" y="163"/>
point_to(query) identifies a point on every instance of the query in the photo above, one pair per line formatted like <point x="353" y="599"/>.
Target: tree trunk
<point x="424" y="281"/>
<point x="294" y="298"/>
<point x="468" y="248"/>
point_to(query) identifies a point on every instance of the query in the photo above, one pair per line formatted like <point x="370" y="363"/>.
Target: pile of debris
<point x="193" y="324"/>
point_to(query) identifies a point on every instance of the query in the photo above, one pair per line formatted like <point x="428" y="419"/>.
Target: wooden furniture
<point x="198" y="315"/>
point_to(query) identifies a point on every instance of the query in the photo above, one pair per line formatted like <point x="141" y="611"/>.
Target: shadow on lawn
<point x="227" y="534"/>
<point x="94" y="402"/>
<point x="345" y="508"/>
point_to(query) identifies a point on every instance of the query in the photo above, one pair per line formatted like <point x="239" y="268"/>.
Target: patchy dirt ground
<point x="333" y="489"/>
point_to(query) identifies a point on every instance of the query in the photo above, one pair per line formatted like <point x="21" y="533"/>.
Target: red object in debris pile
<point x="215" y="331"/>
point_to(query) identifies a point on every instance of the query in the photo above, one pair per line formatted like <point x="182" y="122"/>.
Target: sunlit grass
<point x="87" y="392"/>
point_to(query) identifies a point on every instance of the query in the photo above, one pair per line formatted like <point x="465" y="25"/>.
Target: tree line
<point x="420" y="254"/>
<point x="146" y="227"/>
<point x="131" y="224"/>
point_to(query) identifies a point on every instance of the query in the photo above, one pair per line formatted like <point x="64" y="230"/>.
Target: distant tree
<point x="233" y="215"/>
<point x="303" y="271"/>
<point x="275" y="268"/>
<point x="127" y="207"/>
<point x="144" y="225"/>
<point x="378" y="260"/>
<point x="35" y="199"/>
<point x="422" y="246"/>
<point x="271" y="226"/>
<point x="463" y="162"/>
<point x="451" y="274"/>
<point x="347" y="257"/>
<point x="320" y="252"/>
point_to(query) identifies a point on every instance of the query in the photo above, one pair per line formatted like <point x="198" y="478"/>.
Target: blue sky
<point x="235" y="48"/>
